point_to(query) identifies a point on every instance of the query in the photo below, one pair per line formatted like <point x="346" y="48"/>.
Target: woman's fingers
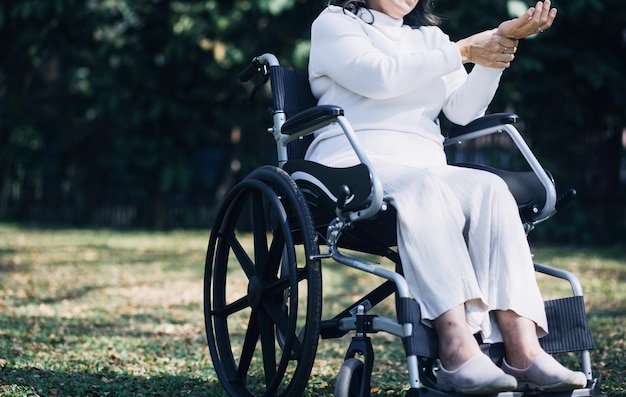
<point x="542" y="15"/>
<point x="536" y="20"/>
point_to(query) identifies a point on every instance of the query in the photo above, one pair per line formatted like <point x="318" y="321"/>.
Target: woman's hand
<point x="536" y="20"/>
<point x="488" y="49"/>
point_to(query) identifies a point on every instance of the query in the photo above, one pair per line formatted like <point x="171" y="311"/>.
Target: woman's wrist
<point x="506" y="29"/>
<point x="465" y="48"/>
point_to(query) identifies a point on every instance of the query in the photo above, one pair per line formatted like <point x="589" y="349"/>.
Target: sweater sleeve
<point x="342" y="50"/>
<point x="468" y="96"/>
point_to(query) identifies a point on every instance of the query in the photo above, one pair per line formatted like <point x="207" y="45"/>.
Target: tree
<point x="128" y="112"/>
<point x="133" y="104"/>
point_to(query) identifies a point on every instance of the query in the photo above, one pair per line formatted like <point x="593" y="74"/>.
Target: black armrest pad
<point x="310" y="117"/>
<point x="492" y="120"/>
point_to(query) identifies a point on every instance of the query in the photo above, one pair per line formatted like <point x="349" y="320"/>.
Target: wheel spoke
<point x="302" y="273"/>
<point x="247" y="265"/>
<point x="277" y="286"/>
<point x="259" y="230"/>
<point x="268" y="347"/>
<point x="232" y="308"/>
<point x="249" y="346"/>
<point x="279" y="314"/>
<point x="270" y="267"/>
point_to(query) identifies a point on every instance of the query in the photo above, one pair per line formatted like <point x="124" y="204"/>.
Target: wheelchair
<point x="263" y="270"/>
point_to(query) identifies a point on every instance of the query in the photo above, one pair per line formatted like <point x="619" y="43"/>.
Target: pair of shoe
<point x="479" y="375"/>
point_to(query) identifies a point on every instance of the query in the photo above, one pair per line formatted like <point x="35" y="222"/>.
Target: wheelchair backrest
<point x="291" y="93"/>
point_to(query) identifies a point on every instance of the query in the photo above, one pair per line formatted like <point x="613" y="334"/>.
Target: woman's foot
<point x="478" y="375"/>
<point x="547" y="375"/>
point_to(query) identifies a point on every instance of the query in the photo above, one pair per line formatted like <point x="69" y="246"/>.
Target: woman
<point x="463" y="249"/>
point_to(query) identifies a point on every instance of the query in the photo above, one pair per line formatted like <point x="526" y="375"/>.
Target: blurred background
<point x="128" y="113"/>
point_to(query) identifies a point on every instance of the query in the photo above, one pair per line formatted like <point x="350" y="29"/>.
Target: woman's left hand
<point x="536" y="20"/>
<point x="488" y="49"/>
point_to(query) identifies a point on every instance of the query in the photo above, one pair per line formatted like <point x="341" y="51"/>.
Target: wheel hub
<point x="255" y="292"/>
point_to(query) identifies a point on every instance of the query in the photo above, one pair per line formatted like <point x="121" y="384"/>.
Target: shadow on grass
<point x="42" y="329"/>
<point x="16" y="382"/>
<point x="37" y="355"/>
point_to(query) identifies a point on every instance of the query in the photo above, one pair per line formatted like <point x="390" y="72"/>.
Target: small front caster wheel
<point x="348" y="382"/>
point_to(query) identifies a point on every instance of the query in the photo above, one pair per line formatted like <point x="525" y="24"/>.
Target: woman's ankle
<point x="454" y="354"/>
<point x="456" y="342"/>
<point x="522" y="359"/>
<point x="520" y="339"/>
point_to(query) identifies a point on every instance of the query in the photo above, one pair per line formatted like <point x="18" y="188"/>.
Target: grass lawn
<point x="107" y="313"/>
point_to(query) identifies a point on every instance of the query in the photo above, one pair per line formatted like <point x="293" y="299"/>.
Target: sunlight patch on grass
<point x="99" y="312"/>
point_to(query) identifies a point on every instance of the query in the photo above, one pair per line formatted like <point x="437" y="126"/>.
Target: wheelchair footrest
<point x="568" y="330"/>
<point x="428" y="392"/>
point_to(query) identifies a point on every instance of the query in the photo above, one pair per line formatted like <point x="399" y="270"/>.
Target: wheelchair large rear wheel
<point x="262" y="290"/>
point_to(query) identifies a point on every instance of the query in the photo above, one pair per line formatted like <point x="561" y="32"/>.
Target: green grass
<point x="104" y="313"/>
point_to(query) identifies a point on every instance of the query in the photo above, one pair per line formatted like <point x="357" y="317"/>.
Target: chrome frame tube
<point x="549" y="207"/>
<point x="376" y="196"/>
<point x="577" y="290"/>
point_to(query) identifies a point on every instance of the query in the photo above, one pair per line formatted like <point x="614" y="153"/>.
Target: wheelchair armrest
<point x="503" y="122"/>
<point x="311" y="119"/>
<point x="489" y="121"/>
<point x="315" y="118"/>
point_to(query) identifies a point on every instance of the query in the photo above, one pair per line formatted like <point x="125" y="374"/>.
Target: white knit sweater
<point x="388" y="76"/>
<point x="393" y="81"/>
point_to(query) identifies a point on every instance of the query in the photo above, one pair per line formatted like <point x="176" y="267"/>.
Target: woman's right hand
<point x="536" y="20"/>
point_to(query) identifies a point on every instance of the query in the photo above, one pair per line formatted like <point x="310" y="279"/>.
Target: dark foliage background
<point x="127" y="113"/>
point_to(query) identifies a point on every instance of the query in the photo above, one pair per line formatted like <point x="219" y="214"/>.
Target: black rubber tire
<point x="262" y="300"/>
<point x="348" y="382"/>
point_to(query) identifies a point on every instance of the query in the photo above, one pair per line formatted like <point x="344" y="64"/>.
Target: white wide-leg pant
<point x="460" y="237"/>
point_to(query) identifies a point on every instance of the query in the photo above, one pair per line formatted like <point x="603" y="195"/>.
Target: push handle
<point x="565" y="199"/>
<point x="253" y="68"/>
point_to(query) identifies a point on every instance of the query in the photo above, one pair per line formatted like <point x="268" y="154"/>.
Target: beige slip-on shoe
<point x="547" y="375"/>
<point x="478" y="375"/>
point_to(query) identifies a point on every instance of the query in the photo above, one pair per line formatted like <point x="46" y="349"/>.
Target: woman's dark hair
<point x="420" y="16"/>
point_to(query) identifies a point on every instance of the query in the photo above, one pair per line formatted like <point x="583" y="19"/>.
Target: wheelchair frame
<point x="354" y="377"/>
